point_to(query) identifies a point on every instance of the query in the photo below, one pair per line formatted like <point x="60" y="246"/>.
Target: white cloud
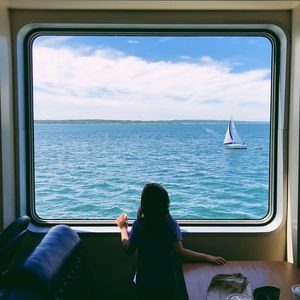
<point x="107" y="84"/>
<point x="133" y="42"/>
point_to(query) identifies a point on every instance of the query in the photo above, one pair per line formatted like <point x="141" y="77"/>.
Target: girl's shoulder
<point x="171" y="222"/>
<point x="139" y="221"/>
<point x="174" y="229"/>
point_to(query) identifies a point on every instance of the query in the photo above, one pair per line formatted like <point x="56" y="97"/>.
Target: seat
<point x="10" y="239"/>
<point x="54" y="270"/>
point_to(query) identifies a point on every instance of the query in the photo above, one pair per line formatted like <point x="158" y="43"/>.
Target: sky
<point x="151" y="77"/>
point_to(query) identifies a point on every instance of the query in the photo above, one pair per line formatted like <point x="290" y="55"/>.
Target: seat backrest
<point x="10" y="239"/>
<point x="54" y="269"/>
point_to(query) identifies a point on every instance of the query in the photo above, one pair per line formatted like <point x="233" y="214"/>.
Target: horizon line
<point x="153" y="121"/>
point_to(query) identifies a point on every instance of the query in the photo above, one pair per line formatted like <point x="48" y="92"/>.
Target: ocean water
<point x="98" y="170"/>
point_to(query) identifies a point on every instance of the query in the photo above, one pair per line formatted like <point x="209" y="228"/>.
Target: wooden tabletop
<point x="283" y="275"/>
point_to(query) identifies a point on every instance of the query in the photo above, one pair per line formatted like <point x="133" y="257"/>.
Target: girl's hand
<point x="217" y="260"/>
<point x="122" y="221"/>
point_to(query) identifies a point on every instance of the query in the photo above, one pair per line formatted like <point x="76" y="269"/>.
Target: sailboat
<point x="232" y="139"/>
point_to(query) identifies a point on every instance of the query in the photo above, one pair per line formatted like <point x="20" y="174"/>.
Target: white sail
<point x="235" y="136"/>
<point x="228" y="138"/>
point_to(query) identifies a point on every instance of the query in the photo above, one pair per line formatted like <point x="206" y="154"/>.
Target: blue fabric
<point x="49" y="257"/>
<point x="54" y="270"/>
<point x="155" y="268"/>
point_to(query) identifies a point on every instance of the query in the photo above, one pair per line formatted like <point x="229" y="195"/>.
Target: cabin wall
<point x="19" y="17"/>
<point x="7" y="158"/>
<point x="293" y="191"/>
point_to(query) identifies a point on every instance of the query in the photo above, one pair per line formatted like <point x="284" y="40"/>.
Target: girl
<point x="157" y="236"/>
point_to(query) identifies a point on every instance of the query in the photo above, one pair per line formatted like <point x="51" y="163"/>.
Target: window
<point x="112" y="111"/>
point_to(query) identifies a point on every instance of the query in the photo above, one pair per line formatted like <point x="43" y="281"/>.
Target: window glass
<point x="113" y="112"/>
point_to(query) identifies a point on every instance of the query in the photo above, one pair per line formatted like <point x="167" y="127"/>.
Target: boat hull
<point x="235" y="146"/>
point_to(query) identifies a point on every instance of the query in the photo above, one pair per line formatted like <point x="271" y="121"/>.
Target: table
<point x="197" y="276"/>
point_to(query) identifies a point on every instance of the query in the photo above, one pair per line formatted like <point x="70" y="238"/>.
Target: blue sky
<point x="151" y="77"/>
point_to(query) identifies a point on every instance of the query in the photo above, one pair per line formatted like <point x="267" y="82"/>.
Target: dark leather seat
<point x="10" y="239"/>
<point x="54" y="270"/>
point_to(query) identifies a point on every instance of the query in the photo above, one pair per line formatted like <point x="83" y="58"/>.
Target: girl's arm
<point x="122" y="222"/>
<point x="196" y="256"/>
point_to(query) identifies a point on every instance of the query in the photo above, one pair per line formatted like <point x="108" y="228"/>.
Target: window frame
<point x="278" y="111"/>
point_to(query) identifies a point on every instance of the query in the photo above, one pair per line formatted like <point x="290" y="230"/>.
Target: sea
<point x="97" y="169"/>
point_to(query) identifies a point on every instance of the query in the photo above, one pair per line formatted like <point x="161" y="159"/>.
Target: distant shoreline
<point x="102" y="121"/>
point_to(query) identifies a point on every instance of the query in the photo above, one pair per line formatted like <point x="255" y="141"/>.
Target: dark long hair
<point x="155" y="205"/>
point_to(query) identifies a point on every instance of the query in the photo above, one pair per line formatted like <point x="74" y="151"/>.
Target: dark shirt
<point x="155" y="267"/>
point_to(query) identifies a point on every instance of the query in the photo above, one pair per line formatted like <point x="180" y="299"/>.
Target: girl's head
<point x="154" y="201"/>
